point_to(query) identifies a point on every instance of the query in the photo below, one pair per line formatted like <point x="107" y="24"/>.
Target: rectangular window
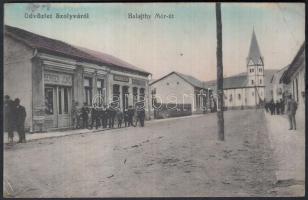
<point x="260" y="81"/>
<point x="252" y="82"/>
<point x="296" y="89"/>
<point x="87" y="83"/>
<point x="116" y="93"/>
<point x="60" y="100"/>
<point x="135" y="95"/>
<point x="65" y="100"/>
<point x="100" y="86"/>
<point x="142" y="94"/>
<point x="49" y="101"/>
<point x="239" y="96"/>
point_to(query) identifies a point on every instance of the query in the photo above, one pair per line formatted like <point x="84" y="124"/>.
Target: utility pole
<point x="220" y="112"/>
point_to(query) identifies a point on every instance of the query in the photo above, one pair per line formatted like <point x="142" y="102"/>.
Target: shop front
<point x="58" y="99"/>
<point x="128" y="90"/>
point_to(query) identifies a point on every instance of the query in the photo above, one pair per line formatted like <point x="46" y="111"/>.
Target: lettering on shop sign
<point x="138" y="82"/>
<point x="57" y="79"/>
<point x="121" y="78"/>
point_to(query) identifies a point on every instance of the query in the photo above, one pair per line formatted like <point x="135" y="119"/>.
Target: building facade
<point x="180" y="88"/>
<point x="49" y="76"/>
<point x="294" y="78"/>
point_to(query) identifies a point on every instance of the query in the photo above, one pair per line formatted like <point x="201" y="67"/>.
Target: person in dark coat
<point x="8" y="107"/>
<point x="20" y="116"/>
<point x="126" y="118"/>
<point x="94" y="117"/>
<point x="111" y="115"/>
<point x="140" y="116"/>
<point x="104" y="116"/>
<point x="131" y="113"/>
<point x="119" y="118"/>
<point x="291" y="111"/>
<point x="272" y="107"/>
<point x="282" y="106"/>
<point x="84" y="114"/>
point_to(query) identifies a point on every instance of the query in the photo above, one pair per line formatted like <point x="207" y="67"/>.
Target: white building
<point x="180" y="88"/>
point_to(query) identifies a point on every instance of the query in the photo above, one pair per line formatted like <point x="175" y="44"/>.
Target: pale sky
<point x="186" y="43"/>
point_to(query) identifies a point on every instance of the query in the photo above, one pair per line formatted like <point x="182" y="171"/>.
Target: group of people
<point x="106" y="116"/>
<point x="281" y="107"/>
<point x="14" y="119"/>
<point x="275" y="108"/>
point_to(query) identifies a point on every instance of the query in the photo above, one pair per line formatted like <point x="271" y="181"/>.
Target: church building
<point x="247" y="89"/>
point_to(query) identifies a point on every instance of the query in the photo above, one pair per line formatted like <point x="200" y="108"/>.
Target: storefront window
<point x="65" y="101"/>
<point x="88" y="91"/>
<point x="141" y="96"/>
<point x="100" y="86"/>
<point x="135" y="95"/>
<point x="116" y="92"/>
<point x="60" y="101"/>
<point x="49" y="101"/>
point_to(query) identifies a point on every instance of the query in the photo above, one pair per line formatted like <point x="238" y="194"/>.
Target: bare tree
<point x="220" y="112"/>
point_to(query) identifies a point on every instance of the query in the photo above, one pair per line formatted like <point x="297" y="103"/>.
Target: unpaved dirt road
<point x="168" y="158"/>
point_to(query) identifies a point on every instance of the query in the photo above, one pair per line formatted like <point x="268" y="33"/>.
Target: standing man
<point x="84" y="114"/>
<point x="20" y="116"/>
<point x="8" y="108"/>
<point x="131" y="112"/>
<point x="291" y="111"/>
<point x="75" y="115"/>
<point x="140" y="115"/>
<point x="126" y="120"/>
<point x="104" y="116"/>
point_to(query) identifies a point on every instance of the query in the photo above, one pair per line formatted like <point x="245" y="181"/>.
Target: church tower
<point x="255" y="64"/>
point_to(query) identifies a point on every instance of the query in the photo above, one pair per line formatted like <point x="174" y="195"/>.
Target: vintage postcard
<point x="154" y="100"/>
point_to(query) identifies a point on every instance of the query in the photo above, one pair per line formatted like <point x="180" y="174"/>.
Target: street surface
<point x="179" y="157"/>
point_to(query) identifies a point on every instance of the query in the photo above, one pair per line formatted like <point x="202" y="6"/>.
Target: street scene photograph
<point x="154" y="100"/>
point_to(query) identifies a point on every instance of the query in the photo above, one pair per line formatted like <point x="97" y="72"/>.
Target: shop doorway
<point x="58" y="101"/>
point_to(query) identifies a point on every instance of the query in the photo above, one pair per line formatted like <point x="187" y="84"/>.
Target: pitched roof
<point x="239" y="80"/>
<point x="188" y="78"/>
<point x="254" y="54"/>
<point x="277" y="75"/>
<point x="59" y="47"/>
<point x="192" y="80"/>
<point x="106" y="58"/>
<point x="296" y="63"/>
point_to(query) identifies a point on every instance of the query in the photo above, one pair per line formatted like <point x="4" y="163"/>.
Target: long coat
<point x="20" y="115"/>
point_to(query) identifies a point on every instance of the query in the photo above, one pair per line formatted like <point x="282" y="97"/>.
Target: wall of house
<point x="234" y="97"/>
<point x="174" y="89"/>
<point x="299" y="75"/>
<point x="18" y="74"/>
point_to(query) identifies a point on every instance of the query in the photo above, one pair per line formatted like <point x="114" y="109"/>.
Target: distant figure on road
<point x="282" y="106"/>
<point x="8" y="106"/>
<point x="272" y="107"/>
<point x="277" y="106"/>
<point x="291" y="111"/>
<point x="20" y="116"/>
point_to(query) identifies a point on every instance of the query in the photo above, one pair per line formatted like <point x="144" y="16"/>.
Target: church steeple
<point x="254" y="55"/>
